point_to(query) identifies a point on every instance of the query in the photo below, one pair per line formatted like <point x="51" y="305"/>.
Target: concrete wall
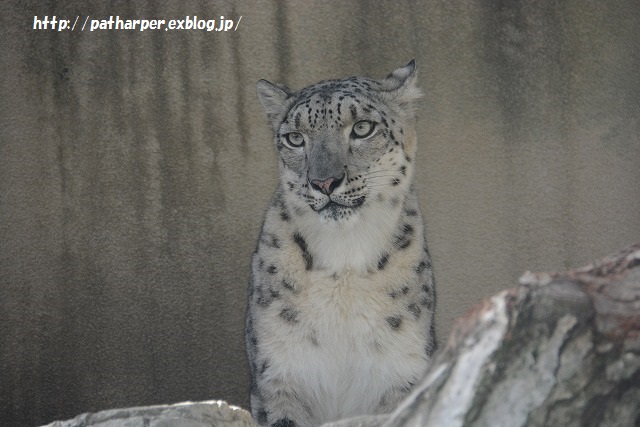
<point x="135" y="167"/>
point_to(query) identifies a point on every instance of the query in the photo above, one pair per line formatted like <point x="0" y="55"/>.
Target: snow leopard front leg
<point x="273" y="403"/>
<point x="281" y="408"/>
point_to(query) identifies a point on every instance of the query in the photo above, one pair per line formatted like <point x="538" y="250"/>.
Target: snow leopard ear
<point x="402" y="84"/>
<point x="273" y="98"/>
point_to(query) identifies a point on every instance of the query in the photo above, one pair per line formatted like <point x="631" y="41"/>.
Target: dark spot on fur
<point x="414" y="309"/>
<point x="288" y="285"/>
<point x="394" y="322"/>
<point x="353" y="111"/>
<point x="403" y="240"/>
<point x="407" y="388"/>
<point x="271" y="240"/>
<point x="398" y="292"/>
<point x="359" y="200"/>
<point x="284" y="422"/>
<point x="426" y="252"/>
<point x="266" y="298"/>
<point x="272" y="269"/>
<point x="428" y="298"/>
<point x="289" y="314"/>
<point x="422" y="267"/>
<point x="382" y="262"/>
<point x="432" y="343"/>
<point x="262" y="416"/>
<point x="284" y="215"/>
<point x="308" y="259"/>
<point x="264" y="367"/>
<point x="411" y="212"/>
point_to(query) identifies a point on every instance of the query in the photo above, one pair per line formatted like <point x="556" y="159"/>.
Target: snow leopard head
<point x="344" y="144"/>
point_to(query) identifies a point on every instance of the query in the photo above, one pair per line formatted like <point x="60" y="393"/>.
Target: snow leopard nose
<point x="326" y="186"/>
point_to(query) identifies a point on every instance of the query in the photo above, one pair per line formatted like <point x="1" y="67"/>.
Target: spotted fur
<point x="340" y="317"/>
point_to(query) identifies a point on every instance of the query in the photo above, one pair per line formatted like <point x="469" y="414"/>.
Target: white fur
<point x="355" y="244"/>
<point x="347" y="371"/>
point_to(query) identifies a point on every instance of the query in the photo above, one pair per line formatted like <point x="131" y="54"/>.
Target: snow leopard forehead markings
<point x="327" y="103"/>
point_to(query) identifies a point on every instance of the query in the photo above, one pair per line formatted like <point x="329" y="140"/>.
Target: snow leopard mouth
<point x="334" y="209"/>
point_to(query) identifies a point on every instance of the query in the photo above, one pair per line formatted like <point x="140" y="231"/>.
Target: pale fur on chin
<point x="352" y="244"/>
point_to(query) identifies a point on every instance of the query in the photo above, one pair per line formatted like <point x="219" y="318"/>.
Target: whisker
<point x="387" y="186"/>
<point x="381" y="171"/>
<point x="383" y="180"/>
<point x="382" y="175"/>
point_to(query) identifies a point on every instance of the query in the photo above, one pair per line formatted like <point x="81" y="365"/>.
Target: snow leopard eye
<point x="294" y="139"/>
<point x="363" y="129"/>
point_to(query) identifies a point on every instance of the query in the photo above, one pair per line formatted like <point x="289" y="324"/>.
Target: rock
<point x="363" y="421"/>
<point x="562" y="349"/>
<point x="188" y="414"/>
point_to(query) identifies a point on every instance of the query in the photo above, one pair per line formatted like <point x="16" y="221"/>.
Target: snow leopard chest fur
<point x="340" y="316"/>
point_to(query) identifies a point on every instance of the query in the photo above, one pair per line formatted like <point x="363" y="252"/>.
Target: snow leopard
<point x="341" y="299"/>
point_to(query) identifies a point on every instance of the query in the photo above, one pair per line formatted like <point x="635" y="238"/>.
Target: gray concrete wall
<point x="135" y="167"/>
